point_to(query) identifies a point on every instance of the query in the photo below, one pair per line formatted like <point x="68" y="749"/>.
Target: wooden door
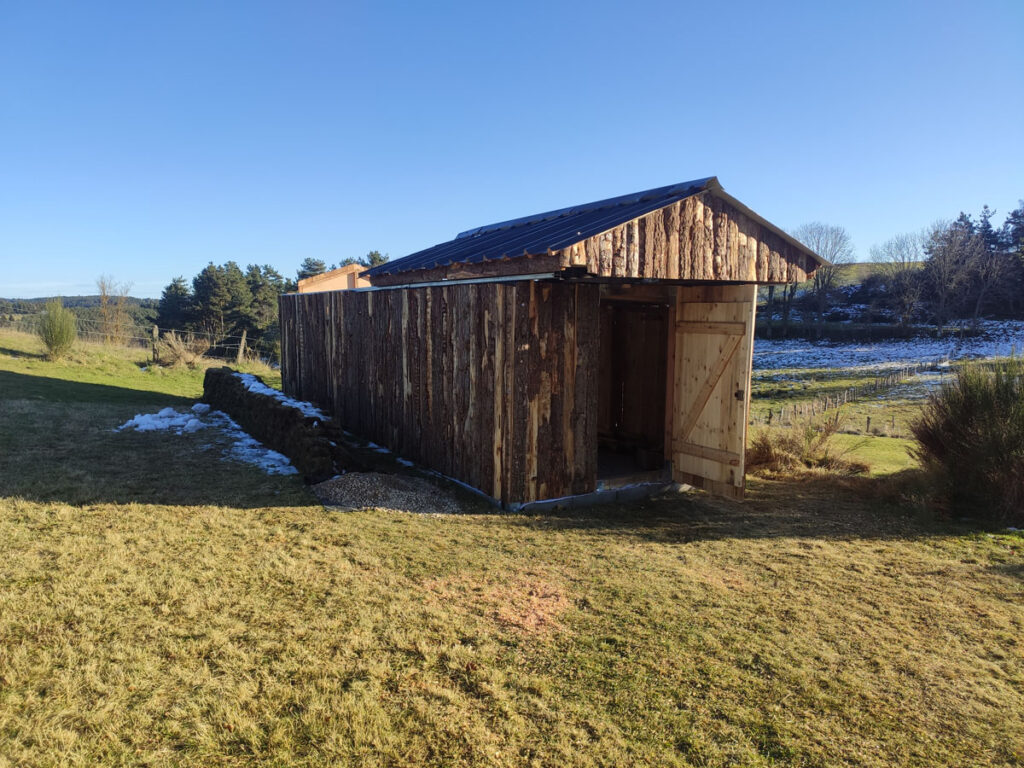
<point x="710" y="392"/>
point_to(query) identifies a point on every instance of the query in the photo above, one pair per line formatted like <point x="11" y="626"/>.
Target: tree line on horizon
<point x="224" y="301"/>
<point x="952" y="271"/>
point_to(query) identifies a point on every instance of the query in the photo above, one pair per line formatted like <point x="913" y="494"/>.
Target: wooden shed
<point x="551" y="355"/>
<point x="340" y="279"/>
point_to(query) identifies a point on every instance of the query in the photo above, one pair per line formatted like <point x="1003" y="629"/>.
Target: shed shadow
<point x="21" y="353"/>
<point x="24" y="386"/>
<point x="805" y="508"/>
<point x="58" y="444"/>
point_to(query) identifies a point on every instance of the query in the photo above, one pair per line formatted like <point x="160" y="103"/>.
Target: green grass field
<point x="876" y="427"/>
<point x="160" y="606"/>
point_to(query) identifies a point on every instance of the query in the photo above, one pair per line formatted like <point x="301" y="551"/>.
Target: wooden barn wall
<point x="702" y="237"/>
<point x="699" y="238"/>
<point x="492" y="384"/>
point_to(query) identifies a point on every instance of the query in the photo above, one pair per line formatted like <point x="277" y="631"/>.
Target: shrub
<point x="807" y="444"/>
<point x="173" y="349"/>
<point x="970" y="435"/>
<point x="57" y="328"/>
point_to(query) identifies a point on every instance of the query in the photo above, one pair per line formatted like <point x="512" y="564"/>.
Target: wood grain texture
<point x="699" y="238"/>
<point x="713" y="349"/>
<point x="492" y="384"/>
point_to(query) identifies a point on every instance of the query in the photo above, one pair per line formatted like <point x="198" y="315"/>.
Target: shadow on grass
<point x="21" y="353"/>
<point x="812" y="507"/>
<point x="23" y="386"/>
<point x="1012" y="570"/>
<point x="58" y="444"/>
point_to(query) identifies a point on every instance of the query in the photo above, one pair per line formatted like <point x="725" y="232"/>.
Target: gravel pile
<point x="372" y="490"/>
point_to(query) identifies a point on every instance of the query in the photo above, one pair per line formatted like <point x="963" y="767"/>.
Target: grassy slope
<point x="159" y="606"/>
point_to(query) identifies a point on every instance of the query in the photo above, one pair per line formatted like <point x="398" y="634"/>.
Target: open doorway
<point x="631" y="391"/>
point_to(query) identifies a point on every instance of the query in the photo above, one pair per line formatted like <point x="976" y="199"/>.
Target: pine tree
<point x="265" y="285"/>
<point x="373" y="259"/>
<point x="222" y="299"/>
<point x="175" y="308"/>
<point x="311" y="267"/>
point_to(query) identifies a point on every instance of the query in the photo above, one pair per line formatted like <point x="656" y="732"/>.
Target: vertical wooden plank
<point x="675" y="233"/>
<point x="733" y="255"/>
<point x="670" y="376"/>
<point x="519" y="423"/>
<point x="546" y="356"/>
<point x="513" y="296"/>
<point x="632" y="249"/>
<point x="642" y="251"/>
<point x="589" y="350"/>
<point x="563" y="324"/>
<point x="484" y="425"/>
<point x="618" y="252"/>
<point x="606" y="253"/>
<point x="697" y="246"/>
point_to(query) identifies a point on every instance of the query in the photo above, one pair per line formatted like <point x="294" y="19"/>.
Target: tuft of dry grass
<point x="806" y="445"/>
<point x="175" y="350"/>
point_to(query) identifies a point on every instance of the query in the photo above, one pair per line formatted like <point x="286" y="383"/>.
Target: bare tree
<point x="114" y="322"/>
<point x="949" y="249"/>
<point x="988" y="269"/>
<point x="900" y="259"/>
<point x="834" y="245"/>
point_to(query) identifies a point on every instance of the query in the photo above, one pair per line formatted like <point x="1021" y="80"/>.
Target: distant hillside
<point x="31" y="306"/>
<point x="21" y="314"/>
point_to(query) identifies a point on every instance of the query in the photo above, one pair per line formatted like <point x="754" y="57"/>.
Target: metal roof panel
<point x="543" y="232"/>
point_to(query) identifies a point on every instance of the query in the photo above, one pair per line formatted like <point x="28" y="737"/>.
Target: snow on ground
<point x="241" y="447"/>
<point x="997" y="339"/>
<point x="917" y="387"/>
<point x="255" y="385"/>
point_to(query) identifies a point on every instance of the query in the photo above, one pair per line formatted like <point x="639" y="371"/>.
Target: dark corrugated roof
<point x="543" y="232"/>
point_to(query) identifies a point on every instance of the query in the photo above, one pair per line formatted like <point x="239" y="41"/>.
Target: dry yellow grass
<point x="159" y="606"/>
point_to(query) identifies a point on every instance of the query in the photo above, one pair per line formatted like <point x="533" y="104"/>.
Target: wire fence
<point x="233" y="347"/>
<point x="798" y="412"/>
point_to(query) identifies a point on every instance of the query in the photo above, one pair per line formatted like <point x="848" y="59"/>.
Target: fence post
<point x="241" y="349"/>
<point x="156" y="338"/>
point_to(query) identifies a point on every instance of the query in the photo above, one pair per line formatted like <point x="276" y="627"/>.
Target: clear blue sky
<point x="144" y="139"/>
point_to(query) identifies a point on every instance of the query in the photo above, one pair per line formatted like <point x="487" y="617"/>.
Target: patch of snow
<point x="997" y="338"/>
<point x="242" y="447"/>
<point x="403" y="462"/>
<point x="255" y="385"/>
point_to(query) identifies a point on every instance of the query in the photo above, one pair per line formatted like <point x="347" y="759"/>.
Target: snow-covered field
<point x="239" y="445"/>
<point x="997" y="339"/>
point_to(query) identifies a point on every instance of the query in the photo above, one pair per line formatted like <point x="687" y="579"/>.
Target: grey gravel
<point x="372" y="490"/>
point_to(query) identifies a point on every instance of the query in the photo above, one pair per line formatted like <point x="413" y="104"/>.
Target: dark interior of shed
<point x="631" y="390"/>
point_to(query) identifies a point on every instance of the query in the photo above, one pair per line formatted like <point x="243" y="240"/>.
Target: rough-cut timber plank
<point x="479" y="381"/>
